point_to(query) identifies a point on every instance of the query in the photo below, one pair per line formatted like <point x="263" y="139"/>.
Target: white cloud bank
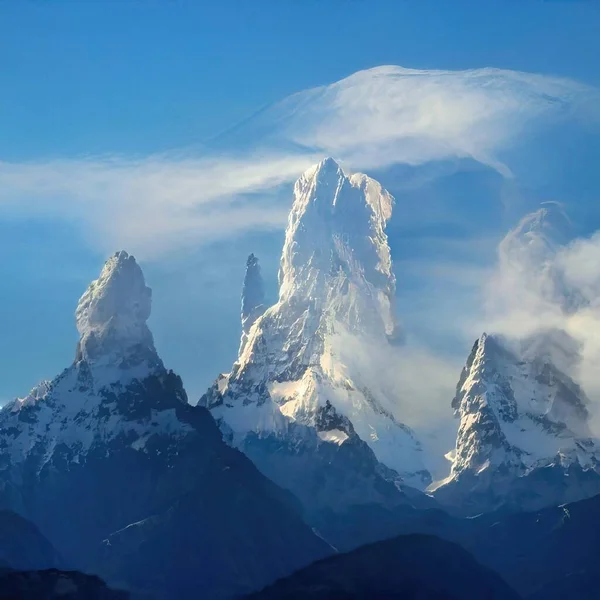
<point x="371" y="119"/>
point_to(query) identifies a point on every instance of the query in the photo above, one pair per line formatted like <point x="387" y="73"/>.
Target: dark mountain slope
<point x="51" y="584"/>
<point x="413" y="567"/>
<point x="22" y="546"/>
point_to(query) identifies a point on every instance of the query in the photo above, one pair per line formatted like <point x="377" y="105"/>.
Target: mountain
<point x="523" y="439"/>
<point x="52" y="583"/>
<point x="548" y="554"/>
<point x="412" y="567"/>
<point x="111" y="450"/>
<point x="22" y="546"/>
<point x="306" y="400"/>
<point x="253" y="297"/>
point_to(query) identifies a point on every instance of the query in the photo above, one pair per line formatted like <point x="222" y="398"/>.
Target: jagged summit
<point x="328" y="167"/>
<point x="336" y="300"/>
<point x="112" y="314"/>
<point x="336" y="250"/>
<point x="523" y="426"/>
<point x="115" y="359"/>
<point x="524" y="437"/>
<point x="519" y="381"/>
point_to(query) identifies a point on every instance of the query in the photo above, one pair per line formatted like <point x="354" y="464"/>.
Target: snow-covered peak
<point x="518" y="411"/>
<point x="116" y="391"/>
<point x="336" y="249"/>
<point x="326" y="170"/>
<point x="307" y="352"/>
<point x="112" y="314"/>
<point x="329" y="175"/>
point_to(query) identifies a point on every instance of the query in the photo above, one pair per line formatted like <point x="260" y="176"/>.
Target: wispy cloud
<point x="541" y="283"/>
<point x="374" y="118"/>
<point x="390" y="114"/>
<point x="150" y="205"/>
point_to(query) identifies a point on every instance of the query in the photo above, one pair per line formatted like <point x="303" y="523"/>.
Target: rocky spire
<point x="519" y="414"/>
<point x="112" y="314"/>
<point x="253" y="296"/>
<point x="335" y="239"/>
<point x="320" y="342"/>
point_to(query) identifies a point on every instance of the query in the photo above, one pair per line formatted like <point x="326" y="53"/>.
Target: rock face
<point x="523" y="438"/>
<point x="411" y="567"/>
<point x="111" y="450"/>
<point x="298" y="400"/>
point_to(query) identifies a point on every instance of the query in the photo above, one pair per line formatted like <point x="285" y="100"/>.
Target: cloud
<point x="389" y="114"/>
<point x="152" y="204"/>
<point x="543" y="282"/>
<point x="371" y="119"/>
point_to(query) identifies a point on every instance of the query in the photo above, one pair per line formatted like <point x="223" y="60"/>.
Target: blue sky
<point x="130" y="79"/>
<point x="133" y="76"/>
